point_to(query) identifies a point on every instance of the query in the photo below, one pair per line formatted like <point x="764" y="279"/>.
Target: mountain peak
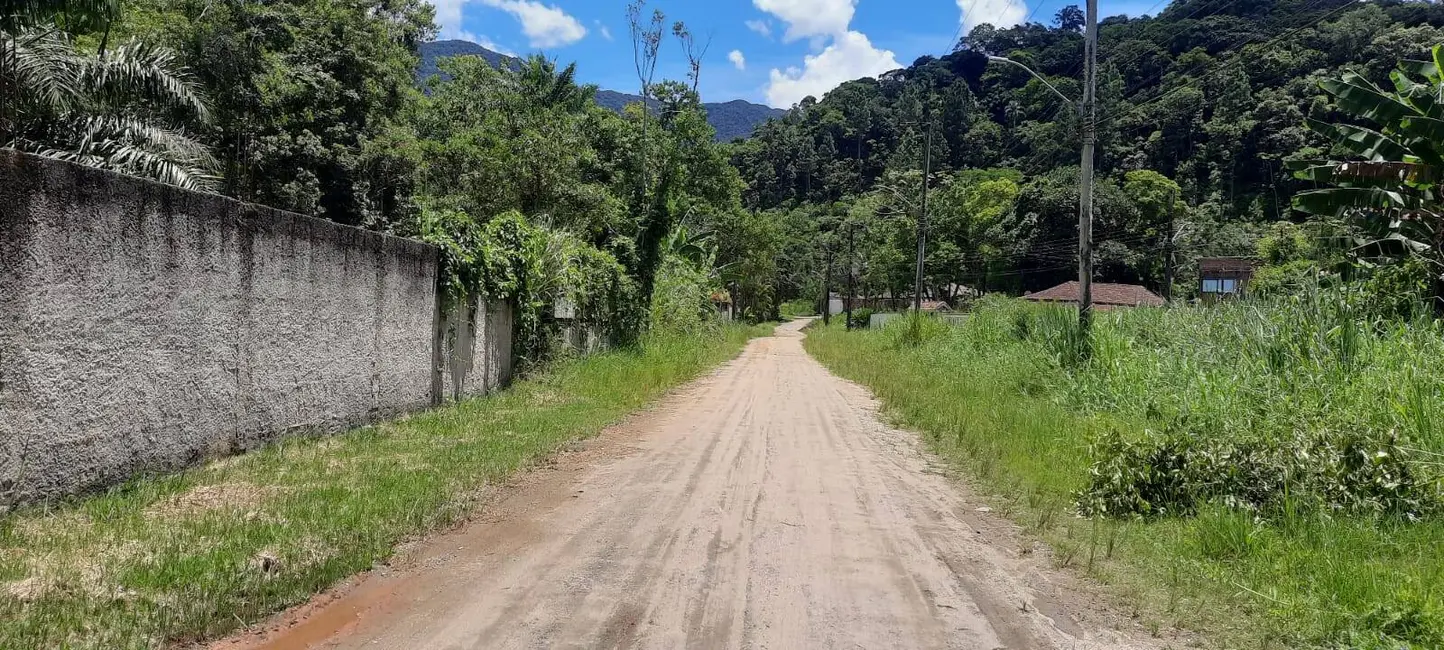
<point x="732" y="119"/>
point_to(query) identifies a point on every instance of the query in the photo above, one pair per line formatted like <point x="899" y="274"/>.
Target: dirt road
<point x="763" y="506"/>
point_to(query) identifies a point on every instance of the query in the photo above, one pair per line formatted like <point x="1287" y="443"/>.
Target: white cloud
<point x="545" y="26"/>
<point x="479" y="39"/>
<point x="760" y="26"/>
<point x="492" y="45"/>
<point x="810" y="18"/>
<point x="998" y="13"/>
<point x="606" y="33"/>
<point x="735" y="56"/>
<point x="448" y="16"/>
<point x="850" y="56"/>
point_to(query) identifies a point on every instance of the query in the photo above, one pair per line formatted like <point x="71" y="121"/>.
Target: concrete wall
<point x="477" y="354"/>
<point x="143" y="328"/>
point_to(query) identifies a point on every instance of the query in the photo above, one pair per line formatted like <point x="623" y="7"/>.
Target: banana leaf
<point x="1339" y="201"/>
<point x="1361" y="141"/>
<point x="1356" y="96"/>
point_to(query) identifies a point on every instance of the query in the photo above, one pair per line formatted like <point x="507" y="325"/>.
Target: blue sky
<point x="767" y="51"/>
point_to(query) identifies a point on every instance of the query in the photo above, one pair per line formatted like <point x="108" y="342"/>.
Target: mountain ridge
<point x="732" y="119"/>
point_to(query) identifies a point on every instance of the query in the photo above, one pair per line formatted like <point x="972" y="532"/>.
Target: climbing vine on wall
<point x="509" y="259"/>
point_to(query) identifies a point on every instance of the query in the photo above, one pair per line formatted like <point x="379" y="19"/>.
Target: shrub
<point x="1176" y="471"/>
<point x="682" y="299"/>
<point x="861" y="318"/>
<point x="799" y="307"/>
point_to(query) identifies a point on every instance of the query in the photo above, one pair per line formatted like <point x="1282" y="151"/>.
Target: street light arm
<point x="1004" y="59"/>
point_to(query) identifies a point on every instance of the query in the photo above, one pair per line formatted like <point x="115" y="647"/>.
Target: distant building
<point x="722" y="302"/>
<point x="1224" y="277"/>
<point x="1105" y="295"/>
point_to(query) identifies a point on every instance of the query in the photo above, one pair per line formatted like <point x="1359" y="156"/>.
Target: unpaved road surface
<point x="763" y="506"/>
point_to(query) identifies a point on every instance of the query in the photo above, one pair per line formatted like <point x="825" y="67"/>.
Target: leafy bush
<point x="509" y="259"/>
<point x="799" y="307"/>
<point x="861" y="318"/>
<point x="682" y="299"/>
<point x="1397" y="291"/>
<point x="1176" y="472"/>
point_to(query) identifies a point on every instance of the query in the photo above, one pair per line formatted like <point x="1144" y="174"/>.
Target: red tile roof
<point x="1104" y="293"/>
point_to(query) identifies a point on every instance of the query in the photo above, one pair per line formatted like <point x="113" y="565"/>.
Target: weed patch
<point x="1266" y="474"/>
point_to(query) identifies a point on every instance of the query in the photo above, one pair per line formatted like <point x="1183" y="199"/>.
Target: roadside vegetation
<point x="198" y="554"/>
<point x="1265" y="473"/>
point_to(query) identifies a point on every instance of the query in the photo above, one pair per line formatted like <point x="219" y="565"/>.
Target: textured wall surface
<point x="478" y="354"/>
<point x="143" y="328"/>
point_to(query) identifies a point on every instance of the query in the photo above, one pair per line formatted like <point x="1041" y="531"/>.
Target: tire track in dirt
<point x="763" y="506"/>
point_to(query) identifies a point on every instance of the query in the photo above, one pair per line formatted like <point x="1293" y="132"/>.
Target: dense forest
<point x="1205" y="103"/>
<point x="315" y="106"/>
<point x="534" y="192"/>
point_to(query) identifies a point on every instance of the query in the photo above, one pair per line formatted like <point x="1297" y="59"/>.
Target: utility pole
<point x="923" y="216"/>
<point x="1168" y="247"/>
<point x="1088" y="112"/>
<point x="826" y="283"/>
<point x="851" y="273"/>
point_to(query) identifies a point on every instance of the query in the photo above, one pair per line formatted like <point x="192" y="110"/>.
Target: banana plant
<point x="1392" y="189"/>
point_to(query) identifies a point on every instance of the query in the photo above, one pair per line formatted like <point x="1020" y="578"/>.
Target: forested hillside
<point x="731" y="120"/>
<point x="1212" y="95"/>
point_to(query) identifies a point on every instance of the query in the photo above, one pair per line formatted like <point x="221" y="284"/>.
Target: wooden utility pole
<point x="1168" y="261"/>
<point x="851" y="273"/>
<point x="1088" y="113"/>
<point x="923" y="216"/>
<point x="826" y="283"/>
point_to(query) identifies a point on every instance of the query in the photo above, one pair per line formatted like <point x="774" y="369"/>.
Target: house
<point x="1105" y="295"/>
<point x="722" y="303"/>
<point x="1224" y="277"/>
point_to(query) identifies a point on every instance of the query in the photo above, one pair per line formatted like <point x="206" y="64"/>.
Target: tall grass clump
<point x="1267" y="472"/>
<point x="1246" y="402"/>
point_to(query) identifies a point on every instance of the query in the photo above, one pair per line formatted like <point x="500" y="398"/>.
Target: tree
<point x="120" y="109"/>
<point x="311" y="98"/>
<point x="1392" y="188"/>
<point x="1070" y="19"/>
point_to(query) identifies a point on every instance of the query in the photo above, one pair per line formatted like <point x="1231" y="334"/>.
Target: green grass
<point x="194" y="555"/>
<point x="1008" y="400"/>
<point x="800" y="307"/>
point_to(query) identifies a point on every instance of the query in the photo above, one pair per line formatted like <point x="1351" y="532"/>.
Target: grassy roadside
<point x="195" y="555"/>
<point x="1008" y="416"/>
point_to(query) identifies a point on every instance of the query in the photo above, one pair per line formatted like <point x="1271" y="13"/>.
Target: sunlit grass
<point x="195" y="555"/>
<point x="1017" y="411"/>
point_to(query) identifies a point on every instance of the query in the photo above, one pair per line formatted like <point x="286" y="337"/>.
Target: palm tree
<point x="540" y="83"/>
<point x="1394" y="190"/>
<point x="116" y="109"/>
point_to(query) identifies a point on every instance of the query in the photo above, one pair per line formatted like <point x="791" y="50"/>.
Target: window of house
<point x="1230" y="286"/>
<point x="1210" y="286"/>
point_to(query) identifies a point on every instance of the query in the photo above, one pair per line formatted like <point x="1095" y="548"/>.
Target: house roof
<point x="1225" y="264"/>
<point x="1104" y="293"/>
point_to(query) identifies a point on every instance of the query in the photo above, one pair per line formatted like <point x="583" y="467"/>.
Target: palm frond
<point x="132" y="146"/>
<point x="139" y="72"/>
<point x="71" y="15"/>
<point x="43" y="69"/>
